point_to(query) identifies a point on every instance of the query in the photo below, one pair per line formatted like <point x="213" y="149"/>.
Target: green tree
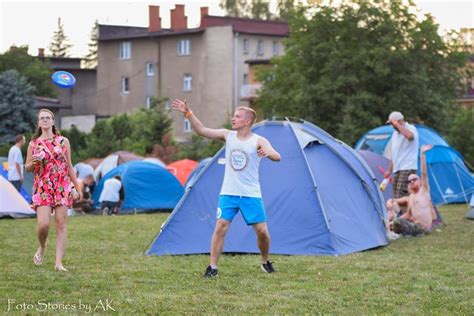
<point x="138" y="132"/>
<point x="77" y="140"/>
<point x="198" y="148"/>
<point x="37" y="73"/>
<point x="59" y="46"/>
<point x="462" y="133"/>
<point x="258" y="9"/>
<point x="91" y="57"/>
<point x="347" y="67"/>
<point x="149" y="126"/>
<point x="17" y="114"/>
<point x="236" y="8"/>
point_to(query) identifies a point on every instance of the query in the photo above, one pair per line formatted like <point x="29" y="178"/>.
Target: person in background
<point x="404" y="160"/>
<point x="111" y="196"/>
<point x="15" y="163"/>
<point x="84" y="205"/>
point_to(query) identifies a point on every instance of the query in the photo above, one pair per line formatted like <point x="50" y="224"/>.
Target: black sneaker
<point x="210" y="272"/>
<point x="268" y="267"/>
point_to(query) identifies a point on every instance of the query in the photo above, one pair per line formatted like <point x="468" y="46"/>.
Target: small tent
<point x="377" y="139"/>
<point x="196" y="171"/>
<point x="450" y="179"/>
<point x="12" y="204"/>
<point x="28" y="179"/>
<point x="147" y="187"/>
<point x="378" y="164"/>
<point x="321" y="199"/>
<point x="181" y="169"/>
<point x="112" y="161"/>
<point x="470" y="212"/>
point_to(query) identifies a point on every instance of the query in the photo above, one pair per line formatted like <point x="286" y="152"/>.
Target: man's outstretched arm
<point x="197" y="126"/>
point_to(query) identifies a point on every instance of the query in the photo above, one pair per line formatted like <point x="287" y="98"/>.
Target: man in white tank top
<point x="241" y="187"/>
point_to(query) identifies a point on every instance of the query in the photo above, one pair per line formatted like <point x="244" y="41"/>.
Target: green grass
<point x="429" y="275"/>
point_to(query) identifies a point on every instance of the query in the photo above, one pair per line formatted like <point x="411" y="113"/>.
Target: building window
<point x="276" y="48"/>
<point x="187" y="126"/>
<point x="184" y="47"/>
<point x="125" y="85"/>
<point x="260" y="47"/>
<point x="125" y="50"/>
<point x="246" y="79"/>
<point x="148" y="102"/>
<point x="246" y="46"/>
<point x="150" y="71"/>
<point x="187" y="82"/>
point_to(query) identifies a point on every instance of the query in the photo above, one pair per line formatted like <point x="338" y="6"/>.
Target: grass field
<point x="428" y="275"/>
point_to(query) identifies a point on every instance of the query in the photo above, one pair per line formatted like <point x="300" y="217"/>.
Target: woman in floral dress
<point x="49" y="157"/>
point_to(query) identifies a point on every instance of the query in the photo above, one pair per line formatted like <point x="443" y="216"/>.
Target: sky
<point x="33" y="22"/>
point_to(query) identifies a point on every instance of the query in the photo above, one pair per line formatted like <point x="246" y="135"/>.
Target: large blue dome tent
<point x="321" y="199"/>
<point x="450" y="179"/>
<point x="147" y="185"/>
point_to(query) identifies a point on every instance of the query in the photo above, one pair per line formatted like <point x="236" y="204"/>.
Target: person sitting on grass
<point x="420" y="214"/>
<point x="84" y="205"/>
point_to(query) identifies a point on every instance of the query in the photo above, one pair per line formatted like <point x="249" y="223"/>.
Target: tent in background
<point x="12" y="204"/>
<point x="181" y="169"/>
<point x="193" y="175"/>
<point x="378" y="164"/>
<point x="112" y="161"/>
<point x="450" y="179"/>
<point x="27" y="186"/>
<point x="147" y="187"/>
<point x="321" y="199"/>
<point x="377" y="139"/>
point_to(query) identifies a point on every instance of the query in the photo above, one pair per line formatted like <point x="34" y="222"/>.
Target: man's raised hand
<point x="180" y="105"/>
<point x="426" y="147"/>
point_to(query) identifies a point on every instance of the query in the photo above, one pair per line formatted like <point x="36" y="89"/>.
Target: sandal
<point x="60" y="268"/>
<point x="38" y="259"/>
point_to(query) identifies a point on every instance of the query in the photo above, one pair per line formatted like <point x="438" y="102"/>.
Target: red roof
<point x="248" y="26"/>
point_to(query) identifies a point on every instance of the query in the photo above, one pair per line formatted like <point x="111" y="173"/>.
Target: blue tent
<point x="196" y="171"/>
<point x="450" y="180"/>
<point x="147" y="185"/>
<point x="321" y="199"/>
<point x="376" y="140"/>
<point x="378" y="164"/>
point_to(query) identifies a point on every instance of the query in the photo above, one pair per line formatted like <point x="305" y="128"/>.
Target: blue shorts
<point x="251" y="208"/>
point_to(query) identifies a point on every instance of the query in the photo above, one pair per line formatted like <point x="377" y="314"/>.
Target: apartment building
<point x="208" y="65"/>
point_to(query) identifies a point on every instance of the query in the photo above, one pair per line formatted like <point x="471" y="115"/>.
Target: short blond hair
<point x="250" y="111"/>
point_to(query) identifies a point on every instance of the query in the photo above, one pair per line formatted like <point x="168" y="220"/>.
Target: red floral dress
<point x="52" y="185"/>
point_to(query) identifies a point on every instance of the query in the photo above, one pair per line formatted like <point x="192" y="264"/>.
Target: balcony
<point x="249" y="91"/>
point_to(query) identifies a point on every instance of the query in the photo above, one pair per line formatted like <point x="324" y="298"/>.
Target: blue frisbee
<point x="63" y="79"/>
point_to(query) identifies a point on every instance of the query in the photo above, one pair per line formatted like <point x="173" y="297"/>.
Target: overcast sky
<point x="33" y="22"/>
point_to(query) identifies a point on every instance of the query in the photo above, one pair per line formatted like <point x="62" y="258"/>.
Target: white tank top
<point x="241" y="167"/>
